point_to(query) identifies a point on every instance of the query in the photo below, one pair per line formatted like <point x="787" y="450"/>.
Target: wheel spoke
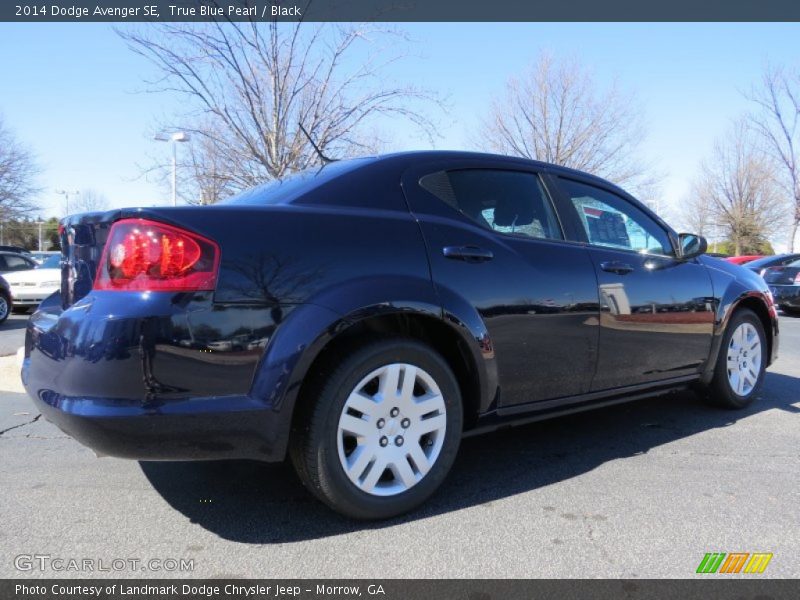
<point x="733" y="378"/>
<point x="389" y="380"/>
<point x="417" y="454"/>
<point x="355" y="425"/>
<point x="362" y="403"/>
<point x="375" y="472"/>
<point x="358" y="461"/>
<point x="402" y="470"/>
<point x="428" y="404"/>
<point x="409" y="380"/>
<point x="430" y="424"/>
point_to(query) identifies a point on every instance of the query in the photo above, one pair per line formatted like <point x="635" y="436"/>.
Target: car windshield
<point x="51" y="262"/>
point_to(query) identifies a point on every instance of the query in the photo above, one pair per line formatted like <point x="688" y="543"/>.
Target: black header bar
<point x="398" y="10"/>
<point x="708" y="587"/>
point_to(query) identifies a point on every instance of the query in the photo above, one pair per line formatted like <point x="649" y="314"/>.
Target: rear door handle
<point x="615" y="266"/>
<point x="467" y="253"/>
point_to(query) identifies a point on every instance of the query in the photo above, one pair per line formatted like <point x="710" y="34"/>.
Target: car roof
<point x="432" y="155"/>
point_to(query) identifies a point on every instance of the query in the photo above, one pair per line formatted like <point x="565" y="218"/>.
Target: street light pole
<point x="178" y="136"/>
<point x="66" y="194"/>
<point x="174" y="174"/>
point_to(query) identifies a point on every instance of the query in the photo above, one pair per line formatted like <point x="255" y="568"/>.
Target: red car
<point x="740" y="260"/>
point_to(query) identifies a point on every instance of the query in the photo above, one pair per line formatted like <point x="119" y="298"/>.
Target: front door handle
<point x="615" y="266"/>
<point x="467" y="253"/>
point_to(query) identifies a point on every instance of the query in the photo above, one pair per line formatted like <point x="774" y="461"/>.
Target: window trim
<point x="538" y="175"/>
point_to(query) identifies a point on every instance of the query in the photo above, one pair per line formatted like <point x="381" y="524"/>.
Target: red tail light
<point x="147" y="255"/>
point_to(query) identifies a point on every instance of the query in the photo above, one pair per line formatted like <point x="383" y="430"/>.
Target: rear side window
<point x="509" y="202"/>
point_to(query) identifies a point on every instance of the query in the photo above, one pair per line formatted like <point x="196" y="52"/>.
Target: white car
<point x="30" y="287"/>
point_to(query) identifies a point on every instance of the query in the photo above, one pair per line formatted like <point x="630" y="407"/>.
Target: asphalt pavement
<point x="12" y="334"/>
<point x="638" y="490"/>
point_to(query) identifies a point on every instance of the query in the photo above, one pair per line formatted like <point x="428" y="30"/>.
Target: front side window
<point x="612" y="222"/>
<point x="508" y="202"/>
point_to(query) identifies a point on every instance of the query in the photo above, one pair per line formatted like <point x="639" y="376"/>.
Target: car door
<point x="656" y="311"/>
<point x="494" y="239"/>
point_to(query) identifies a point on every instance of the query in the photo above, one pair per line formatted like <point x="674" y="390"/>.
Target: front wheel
<point x="5" y="307"/>
<point x="741" y="363"/>
<point x="383" y="431"/>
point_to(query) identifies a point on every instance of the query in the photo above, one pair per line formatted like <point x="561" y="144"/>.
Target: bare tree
<point x="697" y="216"/>
<point x="778" y="123"/>
<point x="248" y="85"/>
<point x="18" y="172"/>
<point x="555" y="113"/>
<point x="89" y="201"/>
<point x="737" y="186"/>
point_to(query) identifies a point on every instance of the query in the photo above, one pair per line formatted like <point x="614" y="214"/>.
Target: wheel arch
<point x="759" y="304"/>
<point x="419" y="326"/>
<point x="313" y="334"/>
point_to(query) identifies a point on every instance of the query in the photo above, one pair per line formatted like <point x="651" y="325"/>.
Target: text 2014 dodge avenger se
<point x="363" y="316"/>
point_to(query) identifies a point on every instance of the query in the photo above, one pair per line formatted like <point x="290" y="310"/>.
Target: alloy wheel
<point x="391" y="429"/>
<point x="744" y="359"/>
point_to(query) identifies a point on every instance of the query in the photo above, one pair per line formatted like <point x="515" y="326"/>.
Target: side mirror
<point x="691" y="245"/>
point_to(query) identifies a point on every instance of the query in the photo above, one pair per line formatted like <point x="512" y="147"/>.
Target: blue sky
<point x="75" y="93"/>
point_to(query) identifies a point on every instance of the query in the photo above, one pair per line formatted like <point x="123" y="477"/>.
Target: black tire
<point x="5" y="307"/>
<point x="314" y="445"/>
<point x="721" y="392"/>
<point x="792" y="312"/>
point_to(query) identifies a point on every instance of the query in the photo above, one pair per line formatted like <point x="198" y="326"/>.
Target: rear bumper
<point x="135" y="376"/>
<point x="196" y="429"/>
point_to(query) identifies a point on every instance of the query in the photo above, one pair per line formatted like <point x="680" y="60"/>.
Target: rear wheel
<point x="741" y="362"/>
<point x="383" y="432"/>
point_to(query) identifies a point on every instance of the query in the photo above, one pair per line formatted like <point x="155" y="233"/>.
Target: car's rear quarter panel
<point x="112" y="354"/>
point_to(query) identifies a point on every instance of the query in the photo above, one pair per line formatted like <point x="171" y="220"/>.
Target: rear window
<point x="288" y="189"/>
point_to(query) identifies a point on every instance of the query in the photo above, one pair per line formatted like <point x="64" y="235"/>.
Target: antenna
<point x="324" y="158"/>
